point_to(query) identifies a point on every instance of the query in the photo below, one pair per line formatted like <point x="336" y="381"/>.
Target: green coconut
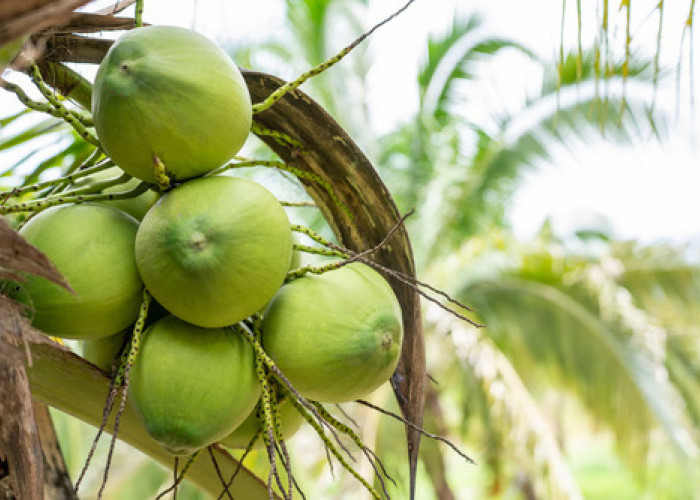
<point x="136" y="207"/>
<point x="336" y="336"/>
<point x="192" y="386"/>
<point x="294" y="263"/>
<point x="103" y="351"/>
<point x="92" y="245"/>
<point x="290" y="421"/>
<point x="170" y="93"/>
<point x="214" y="250"/>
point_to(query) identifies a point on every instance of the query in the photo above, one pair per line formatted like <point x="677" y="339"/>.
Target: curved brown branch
<point x="22" y="17"/>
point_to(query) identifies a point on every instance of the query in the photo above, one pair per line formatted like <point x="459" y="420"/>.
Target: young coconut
<point x="214" y="250"/>
<point x="170" y="93"/>
<point x="336" y="336"/>
<point x="290" y="421"/>
<point x="92" y="246"/>
<point x="136" y="207"/>
<point x="103" y="351"/>
<point x="192" y="386"/>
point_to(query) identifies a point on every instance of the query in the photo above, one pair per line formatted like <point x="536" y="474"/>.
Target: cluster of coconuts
<point x="212" y="251"/>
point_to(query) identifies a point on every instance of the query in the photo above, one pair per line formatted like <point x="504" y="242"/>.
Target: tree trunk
<point x="57" y="482"/>
<point x="20" y="448"/>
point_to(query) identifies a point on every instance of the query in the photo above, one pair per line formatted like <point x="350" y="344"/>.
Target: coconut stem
<point x="279" y="137"/>
<point x="39" y="205"/>
<point x="371" y="457"/>
<point x="272" y="432"/>
<point x="267" y="419"/>
<point x="98" y="186"/>
<point x="246" y="452"/>
<point x="124" y="382"/>
<point x="332" y="448"/>
<point x="161" y="174"/>
<point x="138" y="14"/>
<point x="180" y="476"/>
<point x="299" y="173"/>
<point x="33" y="188"/>
<point x="316" y="237"/>
<point x="305" y="408"/>
<point x="64" y="113"/>
<point x="120" y="378"/>
<point x="406" y="279"/>
<point x="317" y="70"/>
<point x="43" y="107"/>
<point x="302" y="271"/>
<point x="279" y="437"/>
<point x="129" y="356"/>
<point x="417" y="428"/>
<point x="361" y="256"/>
<point x="214" y="462"/>
<point x="319" y="251"/>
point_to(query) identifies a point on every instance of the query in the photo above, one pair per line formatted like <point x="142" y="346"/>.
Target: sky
<point x="646" y="191"/>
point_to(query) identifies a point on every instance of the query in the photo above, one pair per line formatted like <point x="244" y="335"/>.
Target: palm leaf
<point x="452" y="57"/>
<point x="478" y="197"/>
<point x="49" y="125"/>
<point x="11" y="118"/>
<point x="512" y="413"/>
<point x="569" y="319"/>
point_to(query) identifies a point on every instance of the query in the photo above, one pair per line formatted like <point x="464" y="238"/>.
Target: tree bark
<point x="23" y="17"/>
<point x="57" y="482"/>
<point x="20" y="448"/>
<point x="22" y="471"/>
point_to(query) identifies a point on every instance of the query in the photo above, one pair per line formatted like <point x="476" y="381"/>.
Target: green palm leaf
<point x="452" y="57"/>
<point x="568" y="320"/>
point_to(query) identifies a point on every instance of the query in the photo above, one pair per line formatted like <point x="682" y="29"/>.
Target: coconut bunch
<point x="214" y="253"/>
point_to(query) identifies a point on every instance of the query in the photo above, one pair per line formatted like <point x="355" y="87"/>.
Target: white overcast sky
<point x="648" y="191"/>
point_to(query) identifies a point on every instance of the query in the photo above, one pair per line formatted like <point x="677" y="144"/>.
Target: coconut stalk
<point x="330" y="153"/>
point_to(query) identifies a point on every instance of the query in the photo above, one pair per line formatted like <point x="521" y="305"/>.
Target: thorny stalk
<point x="181" y="476"/>
<point x="64" y="113"/>
<point x="317" y="70"/>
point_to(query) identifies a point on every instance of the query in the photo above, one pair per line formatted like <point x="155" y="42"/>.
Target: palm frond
<point x="32" y="132"/>
<point x="569" y="320"/>
<point x="451" y="57"/>
<point x="523" y="141"/>
<point x="512" y="411"/>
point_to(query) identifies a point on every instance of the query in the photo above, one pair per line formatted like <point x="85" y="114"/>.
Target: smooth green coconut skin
<point x="92" y="245"/>
<point x="192" y="386"/>
<point x="103" y="351"/>
<point x="214" y="250"/>
<point x="136" y="207"/>
<point x="290" y="422"/>
<point x="172" y="93"/>
<point x="336" y="336"/>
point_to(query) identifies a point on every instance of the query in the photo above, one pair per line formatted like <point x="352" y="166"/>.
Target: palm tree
<point x="587" y="334"/>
